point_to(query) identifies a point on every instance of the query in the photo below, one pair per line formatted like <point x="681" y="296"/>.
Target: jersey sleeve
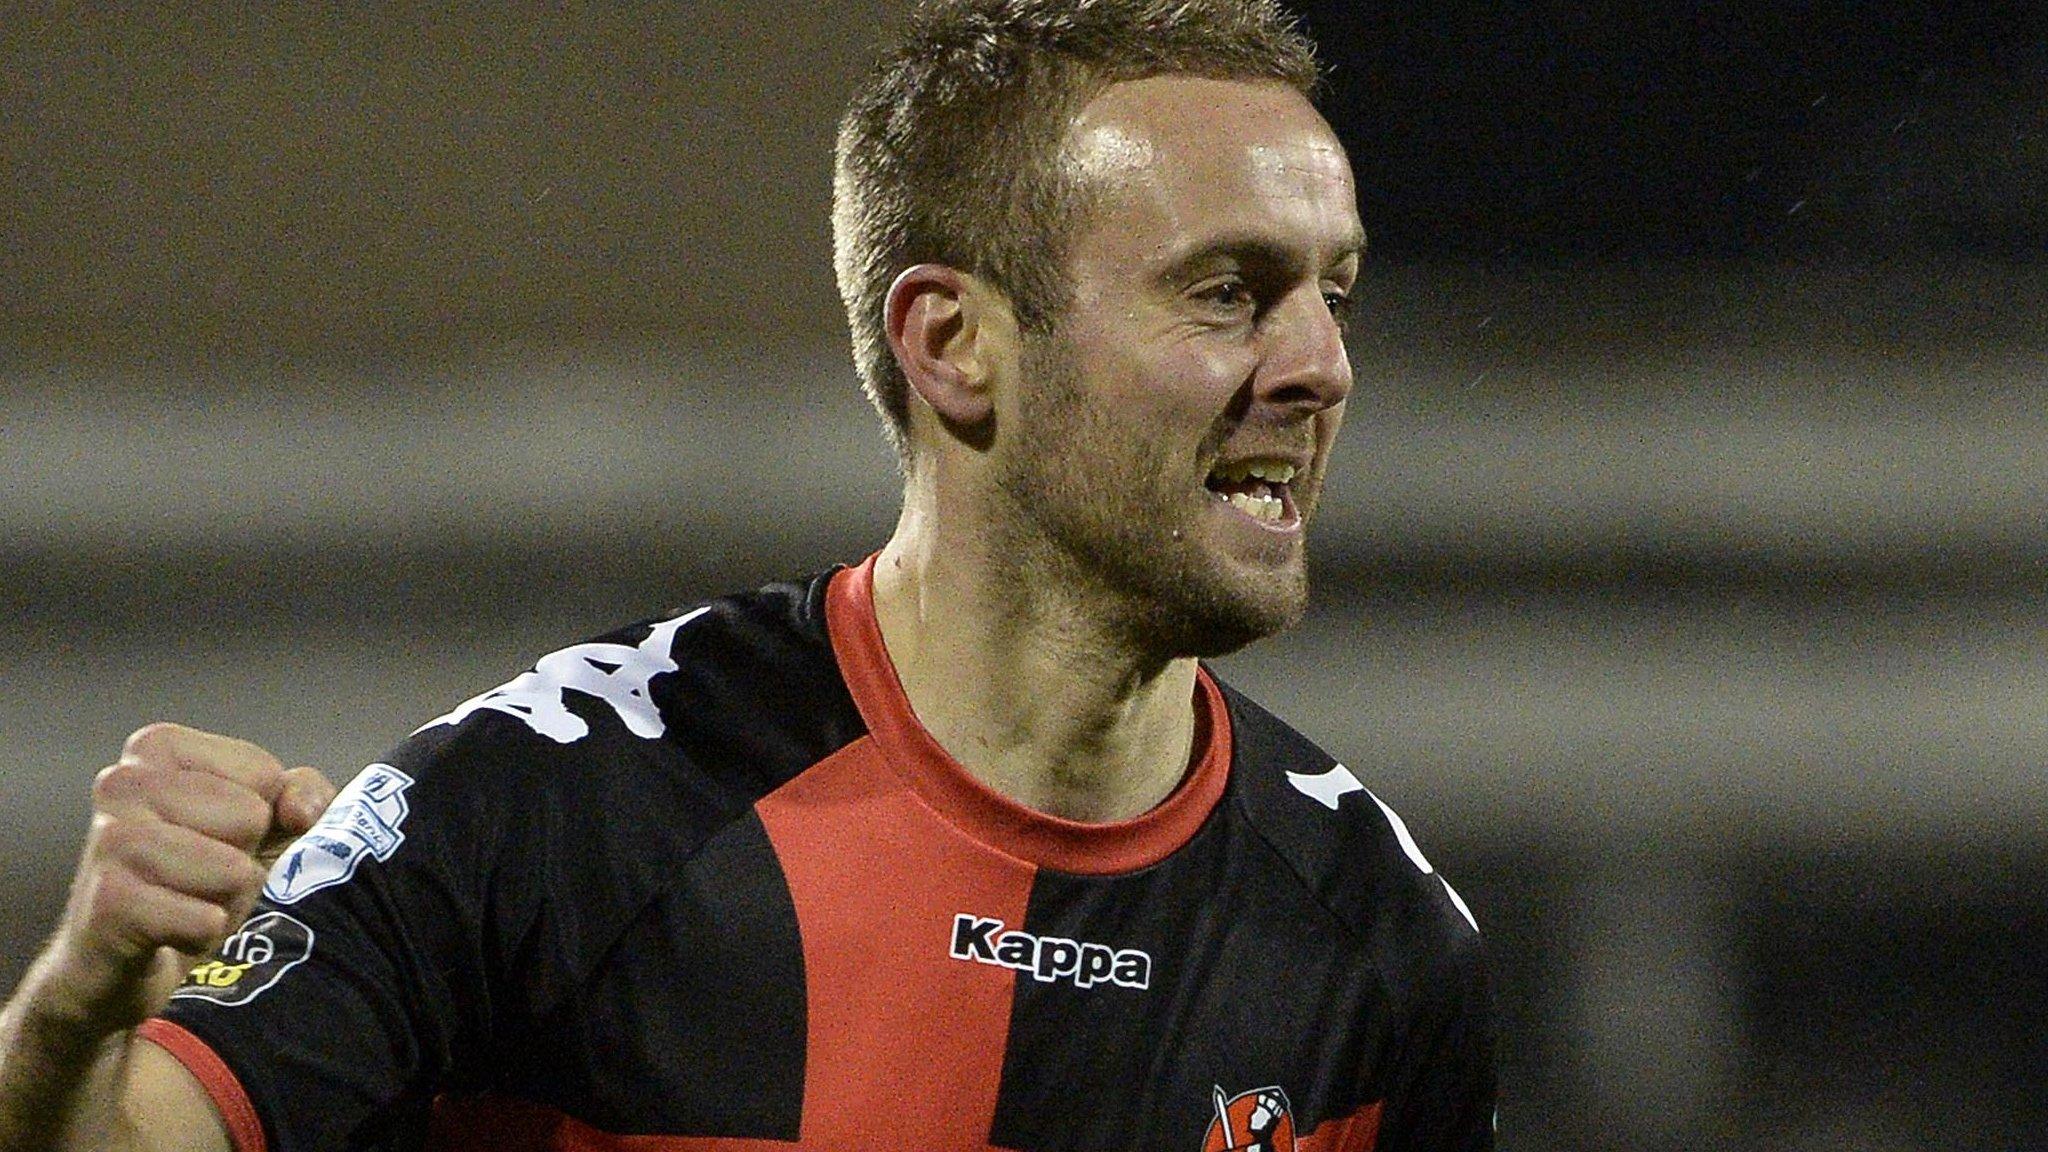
<point x="1444" y="1097"/>
<point x="432" y="930"/>
<point x="1433" y="1071"/>
<point x="361" y="980"/>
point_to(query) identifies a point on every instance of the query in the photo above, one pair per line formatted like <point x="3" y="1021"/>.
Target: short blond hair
<point x="949" y="153"/>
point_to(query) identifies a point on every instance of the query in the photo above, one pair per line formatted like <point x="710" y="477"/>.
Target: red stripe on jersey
<point x="990" y="817"/>
<point x="904" y="1042"/>
<point x="1358" y="1132"/>
<point x="491" y="1123"/>
<point x="502" y="1124"/>
<point x="245" y="1131"/>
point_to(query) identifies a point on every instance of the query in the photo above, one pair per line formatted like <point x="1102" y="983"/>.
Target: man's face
<point x="1171" y="432"/>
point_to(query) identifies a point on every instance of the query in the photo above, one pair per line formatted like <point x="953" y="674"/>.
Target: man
<point x="957" y="848"/>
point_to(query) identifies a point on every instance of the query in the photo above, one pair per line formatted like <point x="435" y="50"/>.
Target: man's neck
<point x="1032" y="697"/>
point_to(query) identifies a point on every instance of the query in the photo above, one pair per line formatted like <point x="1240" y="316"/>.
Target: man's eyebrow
<point x="1260" y="250"/>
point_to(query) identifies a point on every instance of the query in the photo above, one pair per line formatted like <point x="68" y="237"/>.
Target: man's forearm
<point x="60" y="1081"/>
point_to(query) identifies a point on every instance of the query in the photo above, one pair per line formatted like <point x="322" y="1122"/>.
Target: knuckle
<point x="128" y="789"/>
<point x="197" y="931"/>
<point x="114" y="897"/>
<point x="152" y="741"/>
<point x="117" y="839"/>
<point x="240" y="810"/>
<point x="113" y="782"/>
<point x="309" y="781"/>
<point x="248" y="874"/>
<point x="306" y="794"/>
<point x="254" y="756"/>
<point x="247" y="822"/>
<point x="213" y="923"/>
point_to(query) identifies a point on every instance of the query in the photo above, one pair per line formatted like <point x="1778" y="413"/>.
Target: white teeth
<point x="1271" y="471"/>
<point x="1258" y="507"/>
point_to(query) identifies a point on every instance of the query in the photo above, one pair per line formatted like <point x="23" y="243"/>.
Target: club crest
<point x="1255" y="1121"/>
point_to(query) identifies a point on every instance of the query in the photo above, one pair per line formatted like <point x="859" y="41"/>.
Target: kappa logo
<point x="257" y="956"/>
<point x="613" y="673"/>
<point x="1049" y="958"/>
<point x="364" y="820"/>
<point x="1256" y="1121"/>
<point x="1326" y="788"/>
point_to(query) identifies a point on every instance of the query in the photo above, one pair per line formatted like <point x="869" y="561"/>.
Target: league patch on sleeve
<point x="364" y="820"/>
<point x="257" y="956"/>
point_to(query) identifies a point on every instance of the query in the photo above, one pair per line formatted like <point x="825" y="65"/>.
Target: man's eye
<point x="1339" y="305"/>
<point x="1229" y="294"/>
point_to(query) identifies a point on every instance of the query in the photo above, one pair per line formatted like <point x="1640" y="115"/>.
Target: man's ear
<point x="941" y="322"/>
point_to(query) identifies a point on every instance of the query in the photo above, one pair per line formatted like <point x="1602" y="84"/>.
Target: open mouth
<point x="1261" y="489"/>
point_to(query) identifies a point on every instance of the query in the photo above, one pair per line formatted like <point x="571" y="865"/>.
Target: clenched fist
<point x="185" y="826"/>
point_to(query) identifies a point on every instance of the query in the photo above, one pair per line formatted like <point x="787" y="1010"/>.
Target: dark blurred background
<point x="1682" y="580"/>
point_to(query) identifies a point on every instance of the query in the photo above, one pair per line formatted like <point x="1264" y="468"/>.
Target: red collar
<point x="987" y="815"/>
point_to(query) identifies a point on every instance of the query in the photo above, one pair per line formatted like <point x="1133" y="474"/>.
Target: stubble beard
<point x="1103" y="511"/>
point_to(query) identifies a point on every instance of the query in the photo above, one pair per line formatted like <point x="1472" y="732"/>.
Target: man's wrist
<point x="50" y="1020"/>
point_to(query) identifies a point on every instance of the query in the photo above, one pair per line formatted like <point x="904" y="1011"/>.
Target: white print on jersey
<point x="613" y="673"/>
<point x="1048" y="958"/>
<point x="268" y="945"/>
<point x="365" y="819"/>
<point x="1326" y="788"/>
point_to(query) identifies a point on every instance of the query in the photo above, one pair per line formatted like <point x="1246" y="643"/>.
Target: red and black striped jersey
<point x="707" y="885"/>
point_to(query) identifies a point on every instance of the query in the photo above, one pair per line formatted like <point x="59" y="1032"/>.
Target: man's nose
<point x="1303" y="363"/>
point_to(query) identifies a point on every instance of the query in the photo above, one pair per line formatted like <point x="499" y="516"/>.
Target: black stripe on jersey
<point x="758" y="697"/>
<point x="654" y="862"/>
<point x="715" y="1046"/>
<point x="1242" y="969"/>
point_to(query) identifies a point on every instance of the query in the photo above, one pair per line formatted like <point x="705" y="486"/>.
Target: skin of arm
<point x="185" y="825"/>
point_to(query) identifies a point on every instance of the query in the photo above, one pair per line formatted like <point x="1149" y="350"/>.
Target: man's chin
<point x="1216" y="613"/>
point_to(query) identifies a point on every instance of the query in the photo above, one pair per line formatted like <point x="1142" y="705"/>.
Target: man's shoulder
<point x="685" y="718"/>
<point x="1349" y="847"/>
<point x="778" y="628"/>
<point x="648" y="679"/>
<point x="555" y="806"/>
